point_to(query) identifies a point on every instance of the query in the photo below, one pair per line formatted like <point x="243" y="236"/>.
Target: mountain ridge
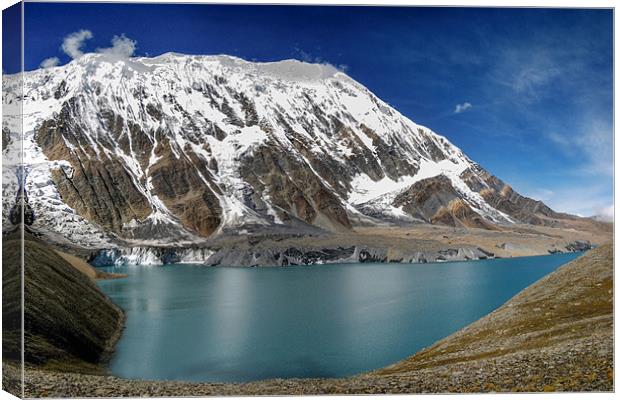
<point x="181" y="148"/>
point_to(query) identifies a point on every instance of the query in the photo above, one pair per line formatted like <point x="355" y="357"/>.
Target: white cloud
<point x="462" y="107"/>
<point x="73" y="43"/>
<point x="605" y="213"/>
<point x="50" y="62"/>
<point x="531" y="78"/>
<point x="121" y="46"/>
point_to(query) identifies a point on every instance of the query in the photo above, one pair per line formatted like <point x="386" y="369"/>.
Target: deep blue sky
<point x="11" y="38"/>
<point x="539" y="81"/>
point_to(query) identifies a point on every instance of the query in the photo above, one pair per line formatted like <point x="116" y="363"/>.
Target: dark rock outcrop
<point x="68" y="321"/>
<point x="579" y="245"/>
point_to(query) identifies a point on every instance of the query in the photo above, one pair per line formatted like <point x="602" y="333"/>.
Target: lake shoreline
<point x="590" y="354"/>
<point x="273" y="257"/>
<point x="436" y="262"/>
<point x="265" y="309"/>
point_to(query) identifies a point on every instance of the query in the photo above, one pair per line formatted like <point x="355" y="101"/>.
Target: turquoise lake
<point x="225" y="324"/>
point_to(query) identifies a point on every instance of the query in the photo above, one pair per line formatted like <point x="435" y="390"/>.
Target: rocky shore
<point x="281" y="257"/>
<point x="556" y="335"/>
<point x="585" y="367"/>
<point x="424" y="244"/>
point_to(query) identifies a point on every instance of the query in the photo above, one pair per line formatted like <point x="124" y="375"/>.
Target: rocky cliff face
<point x="432" y="200"/>
<point x="181" y="148"/>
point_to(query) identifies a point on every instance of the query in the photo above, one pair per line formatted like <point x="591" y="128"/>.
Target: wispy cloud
<point x="462" y="107"/>
<point x="590" y="145"/>
<point x="605" y="213"/>
<point x="50" y="62"/>
<point x="309" y="58"/>
<point x="542" y="194"/>
<point x="544" y="66"/>
<point x="121" y="46"/>
<point x="588" y="200"/>
<point x="529" y="75"/>
<point x="73" y="43"/>
<point x="559" y="96"/>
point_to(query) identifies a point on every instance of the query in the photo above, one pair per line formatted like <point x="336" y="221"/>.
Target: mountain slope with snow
<point x="180" y="148"/>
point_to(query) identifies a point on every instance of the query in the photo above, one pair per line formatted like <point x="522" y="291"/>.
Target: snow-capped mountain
<point x="186" y="147"/>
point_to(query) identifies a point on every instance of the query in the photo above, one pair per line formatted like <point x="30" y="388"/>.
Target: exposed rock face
<point x="100" y="185"/>
<point x="96" y="184"/>
<point x="294" y="190"/>
<point x="280" y="256"/>
<point x="185" y="187"/>
<point x="181" y="148"/>
<point x="435" y="200"/>
<point x="6" y="137"/>
<point x="424" y="199"/>
<point x="502" y="197"/>
<point x="66" y="317"/>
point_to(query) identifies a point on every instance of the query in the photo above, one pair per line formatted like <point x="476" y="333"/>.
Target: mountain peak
<point x="287" y="70"/>
<point x="189" y="146"/>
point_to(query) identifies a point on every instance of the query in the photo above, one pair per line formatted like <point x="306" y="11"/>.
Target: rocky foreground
<point x="556" y="335"/>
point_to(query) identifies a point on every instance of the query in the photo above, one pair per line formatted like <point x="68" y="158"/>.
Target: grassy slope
<point x="87" y="269"/>
<point x="69" y="322"/>
<point x="553" y="315"/>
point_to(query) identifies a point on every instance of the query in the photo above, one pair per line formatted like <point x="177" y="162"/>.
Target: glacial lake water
<point x="226" y="324"/>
